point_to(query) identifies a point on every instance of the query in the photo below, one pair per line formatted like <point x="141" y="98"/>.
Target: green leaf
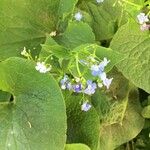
<point x="24" y="23"/>
<point x="135" y="44"/>
<point x="76" y="147"/>
<point x="146" y="112"/>
<point x="120" y="115"/>
<point x="142" y="140"/>
<point x="83" y="127"/>
<point x="34" y="119"/>
<point x="4" y="96"/>
<point x="117" y="134"/>
<point x="51" y="47"/>
<point x="104" y="17"/>
<point x="67" y="7"/>
<point x="77" y="33"/>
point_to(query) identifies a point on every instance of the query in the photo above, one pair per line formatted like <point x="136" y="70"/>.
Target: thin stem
<point x="29" y="55"/>
<point x="77" y="65"/>
<point x="47" y="58"/>
<point x="4" y="103"/>
<point x="148" y="13"/>
<point x="132" y="4"/>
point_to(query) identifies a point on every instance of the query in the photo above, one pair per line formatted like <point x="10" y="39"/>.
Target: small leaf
<point x="52" y="47"/>
<point x="77" y="33"/>
<point x="146" y="112"/>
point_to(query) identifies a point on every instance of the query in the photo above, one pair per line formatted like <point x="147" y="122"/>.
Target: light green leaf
<point x="76" y="147"/>
<point x="67" y="7"/>
<point x="77" y="33"/>
<point x="24" y="23"/>
<point x="51" y="47"/>
<point x="146" y="112"/>
<point x="34" y="119"/>
<point x="83" y="127"/>
<point x="135" y="44"/>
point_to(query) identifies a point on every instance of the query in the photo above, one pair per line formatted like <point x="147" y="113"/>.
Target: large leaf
<point x="104" y="17"/>
<point x="116" y="134"/>
<point x="135" y="44"/>
<point x="36" y="118"/>
<point x="23" y="23"/>
<point x="120" y="117"/>
<point x="76" y="147"/>
<point x="83" y="127"/>
<point x="77" y="33"/>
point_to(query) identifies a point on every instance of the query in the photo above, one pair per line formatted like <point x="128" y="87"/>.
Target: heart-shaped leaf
<point x="120" y="113"/>
<point x="36" y="118"/>
<point x="135" y="44"/>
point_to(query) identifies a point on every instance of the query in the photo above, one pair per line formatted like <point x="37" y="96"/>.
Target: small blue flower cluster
<point x="97" y="70"/>
<point x="79" y="85"/>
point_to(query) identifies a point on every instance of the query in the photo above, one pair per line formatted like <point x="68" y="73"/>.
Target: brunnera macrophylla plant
<point x="74" y="74"/>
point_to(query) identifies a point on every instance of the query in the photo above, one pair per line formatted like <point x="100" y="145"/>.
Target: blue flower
<point x="106" y="81"/>
<point x="98" y="69"/>
<point x="86" y="107"/>
<point x="83" y="62"/>
<point x="78" y="16"/>
<point x="102" y="76"/>
<point x="65" y="84"/>
<point x="77" y="88"/>
<point x="99" y="1"/>
<point x="69" y="86"/>
<point x="142" y="18"/>
<point x="91" y="87"/>
<point x="64" y="80"/>
<point x="103" y="64"/>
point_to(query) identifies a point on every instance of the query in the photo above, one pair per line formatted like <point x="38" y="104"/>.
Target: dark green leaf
<point x="83" y="127"/>
<point x="24" y="23"/>
<point x="34" y="119"/>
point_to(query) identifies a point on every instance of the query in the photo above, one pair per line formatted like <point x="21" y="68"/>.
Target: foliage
<point x="75" y="74"/>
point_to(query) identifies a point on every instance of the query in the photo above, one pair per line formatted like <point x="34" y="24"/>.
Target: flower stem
<point x="132" y="4"/>
<point x="77" y="65"/>
<point x="4" y="103"/>
<point x="148" y="13"/>
<point x="47" y="58"/>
